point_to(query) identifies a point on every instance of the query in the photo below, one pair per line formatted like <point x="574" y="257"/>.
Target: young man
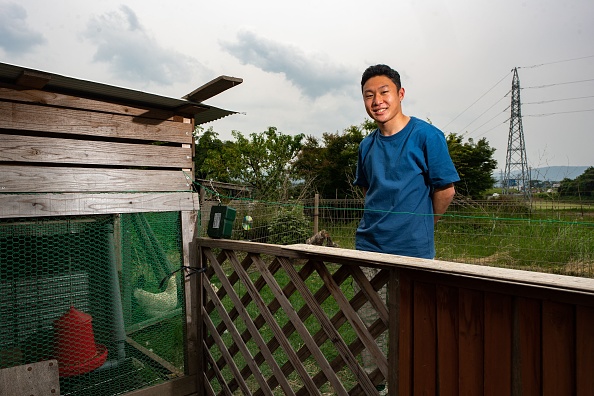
<point x="405" y="171"/>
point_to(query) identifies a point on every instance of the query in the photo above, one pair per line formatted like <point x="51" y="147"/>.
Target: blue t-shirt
<point x="400" y="172"/>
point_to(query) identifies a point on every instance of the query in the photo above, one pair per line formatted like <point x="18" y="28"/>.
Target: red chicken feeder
<point x="75" y="347"/>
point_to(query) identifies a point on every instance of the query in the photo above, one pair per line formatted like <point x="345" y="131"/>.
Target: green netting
<point x="86" y="291"/>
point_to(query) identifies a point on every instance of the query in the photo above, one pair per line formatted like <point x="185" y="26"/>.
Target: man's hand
<point x="442" y="197"/>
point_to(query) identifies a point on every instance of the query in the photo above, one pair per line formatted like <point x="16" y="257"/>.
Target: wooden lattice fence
<point x="294" y="320"/>
<point x="270" y="324"/>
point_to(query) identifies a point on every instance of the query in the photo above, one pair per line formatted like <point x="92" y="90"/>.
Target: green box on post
<point x="221" y="222"/>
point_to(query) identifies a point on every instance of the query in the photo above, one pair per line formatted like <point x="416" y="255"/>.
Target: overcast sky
<point x="301" y="62"/>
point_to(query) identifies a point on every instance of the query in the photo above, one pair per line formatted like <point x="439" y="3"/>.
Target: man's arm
<point x="442" y="197"/>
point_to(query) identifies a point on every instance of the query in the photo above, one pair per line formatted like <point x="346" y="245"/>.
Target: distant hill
<point x="557" y="173"/>
<point x="552" y="173"/>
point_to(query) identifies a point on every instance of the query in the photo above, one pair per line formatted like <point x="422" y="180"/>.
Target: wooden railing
<point x="295" y="320"/>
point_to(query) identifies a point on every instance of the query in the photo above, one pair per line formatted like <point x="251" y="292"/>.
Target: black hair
<point x="381" y="70"/>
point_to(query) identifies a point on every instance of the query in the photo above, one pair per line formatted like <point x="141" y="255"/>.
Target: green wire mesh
<point x="86" y="291"/>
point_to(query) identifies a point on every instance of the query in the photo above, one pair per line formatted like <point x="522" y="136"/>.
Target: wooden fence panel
<point x="424" y="339"/>
<point x="471" y="338"/>
<point x="585" y="350"/>
<point x="558" y="333"/>
<point x="405" y="361"/>
<point x="447" y="340"/>
<point x="450" y="333"/>
<point x="529" y="341"/>
<point x="498" y="344"/>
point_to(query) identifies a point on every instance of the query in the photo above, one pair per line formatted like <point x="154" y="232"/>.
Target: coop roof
<point x="187" y="107"/>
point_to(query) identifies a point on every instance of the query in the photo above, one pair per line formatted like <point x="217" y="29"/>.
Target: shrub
<point x="289" y="226"/>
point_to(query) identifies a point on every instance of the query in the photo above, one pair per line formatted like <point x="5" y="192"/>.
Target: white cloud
<point x="16" y="37"/>
<point x="313" y="74"/>
<point x="133" y="54"/>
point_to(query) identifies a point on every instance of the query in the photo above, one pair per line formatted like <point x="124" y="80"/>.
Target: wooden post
<point x="392" y="381"/>
<point x="192" y="287"/>
<point x="316" y="213"/>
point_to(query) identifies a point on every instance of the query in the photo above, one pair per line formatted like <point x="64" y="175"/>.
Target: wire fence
<point x="542" y="235"/>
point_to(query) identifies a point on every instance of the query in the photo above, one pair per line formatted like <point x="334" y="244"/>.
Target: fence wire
<point x="85" y="290"/>
<point x="542" y="235"/>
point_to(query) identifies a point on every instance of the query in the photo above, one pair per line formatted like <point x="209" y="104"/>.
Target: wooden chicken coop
<point x="98" y="214"/>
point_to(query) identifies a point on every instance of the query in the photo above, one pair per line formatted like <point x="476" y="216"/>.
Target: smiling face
<point x="382" y="101"/>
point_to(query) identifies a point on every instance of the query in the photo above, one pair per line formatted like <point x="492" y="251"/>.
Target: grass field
<point x="544" y="236"/>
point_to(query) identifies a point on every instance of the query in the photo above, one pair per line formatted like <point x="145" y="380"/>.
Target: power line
<point x="558" y="112"/>
<point x="558" y="100"/>
<point x="555" y="62"/>
<point x="489" y="120"/>
<point x="563" y="83"/>
<point x="473" y="103"/>
<point x="496" y="126"/>
<point x="493" y="105"/>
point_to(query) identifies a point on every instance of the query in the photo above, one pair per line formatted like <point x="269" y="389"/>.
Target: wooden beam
<point x="34" y="149"/>
<point x="73" y="204"/>
<point x="213" y="88"/>
<point x="44" y="179"/>
<point x="31" y="117"/>
<point x="33" y="79"/>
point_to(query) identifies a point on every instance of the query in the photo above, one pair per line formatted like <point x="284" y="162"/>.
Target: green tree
<point x="329" y="165"/>
<point x="582" y="186"/>
<point x="262" y="160"/>
<point x="209" y="158"/>
<point x="474" y="163"/>
<point x="265" y="161"/>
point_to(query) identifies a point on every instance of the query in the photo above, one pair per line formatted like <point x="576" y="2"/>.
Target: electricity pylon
<point x="517" y="174"/>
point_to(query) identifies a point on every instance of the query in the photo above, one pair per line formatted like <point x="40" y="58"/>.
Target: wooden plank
<point x="248" y="247"/>
<point x="18" y="148"/>
<point x="40" y="378"/>
<point x="471" y="339"/>
<point x="41" y="179"/>
<point x="213" y="88"/>
<point x="424" y="343"/>
<point x="585" y="350"/>
<point x="27" y="117"/>
<point x="34" y="96"/>
<point x="498" y="344"/>
<point x="526" y="281"/>
<point x="72" y="204"/>
<point x="558" y="348"/>
<point x="529" y="340"/>
<point x="405" y="338"/>
<point x="506" y="276"/>
<point x="33" y="79"/>
<point x="447" y="339"/>
<point x="177" y="387"/>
